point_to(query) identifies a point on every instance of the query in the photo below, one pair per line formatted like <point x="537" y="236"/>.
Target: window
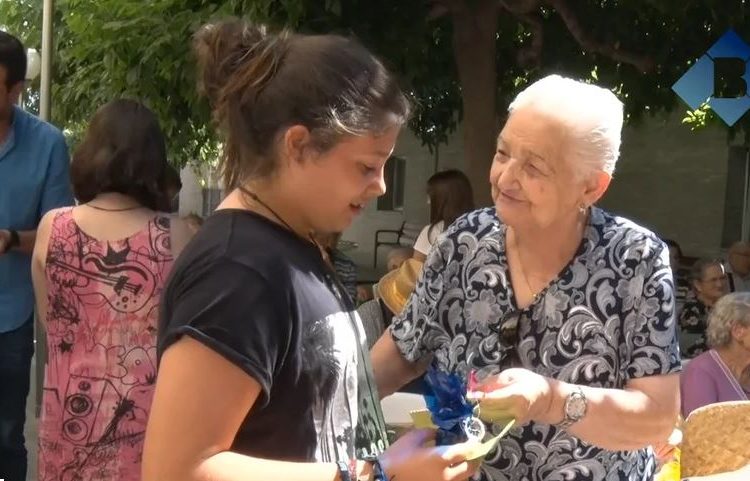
<point x="395" y="183"/>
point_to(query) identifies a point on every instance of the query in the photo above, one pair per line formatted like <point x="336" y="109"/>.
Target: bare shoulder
<point x="45" y="224"/>
<point x="46" y="220"/>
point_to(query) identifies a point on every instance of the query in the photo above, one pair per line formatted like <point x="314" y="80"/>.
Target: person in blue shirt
<point x="33" y="179"/>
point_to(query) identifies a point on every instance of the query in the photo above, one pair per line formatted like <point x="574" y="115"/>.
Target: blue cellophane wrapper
<point x="445" y="396"/>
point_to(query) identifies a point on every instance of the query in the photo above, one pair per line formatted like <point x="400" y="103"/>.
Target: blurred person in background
<point x="450" y="195"/>
<point x="99" y="270"/>
<point x="723" y="372"/>
<point x="709" y="283"/>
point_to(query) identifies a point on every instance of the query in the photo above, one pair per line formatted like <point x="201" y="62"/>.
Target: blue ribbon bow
<point x="445" y="396"/>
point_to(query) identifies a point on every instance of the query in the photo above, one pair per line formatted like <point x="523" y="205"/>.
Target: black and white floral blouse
<point x="693" y="321"/>
<point x="608" y="318"/>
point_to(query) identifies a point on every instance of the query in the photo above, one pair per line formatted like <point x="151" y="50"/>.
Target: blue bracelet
<point x="344" y="471"/>
<point x="378" y="473"/>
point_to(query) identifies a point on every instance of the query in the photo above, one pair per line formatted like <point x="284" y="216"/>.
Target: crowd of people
<point x="236" y="350"/>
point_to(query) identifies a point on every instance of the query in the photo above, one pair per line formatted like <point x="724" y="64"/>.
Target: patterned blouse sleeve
<point x="415" y="330"/>
<point x="650" y="331"/>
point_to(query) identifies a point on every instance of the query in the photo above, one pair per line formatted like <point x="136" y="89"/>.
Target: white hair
<point x="728" y="311"/>
<point x="593" y="116"/>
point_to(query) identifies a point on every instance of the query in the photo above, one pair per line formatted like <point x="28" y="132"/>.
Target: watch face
<point x="576" y="407"/>
<point x="473" y="428"/>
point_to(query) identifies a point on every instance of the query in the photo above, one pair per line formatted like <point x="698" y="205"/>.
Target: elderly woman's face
<point x="741" y="335"/>
<point x="530" y="178"/>
<point x="714" y="284"/>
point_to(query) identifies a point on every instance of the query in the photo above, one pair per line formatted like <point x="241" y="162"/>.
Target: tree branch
<point x="521" y="7"/>
<point x="531" y="55"/>
<point x="527" y="11"/>
<point x="440" y="8"/>
<point x="643" y="63"/>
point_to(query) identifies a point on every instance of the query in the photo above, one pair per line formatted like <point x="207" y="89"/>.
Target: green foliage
<point x="141" y="49"/>
<point x="699" y="118"/>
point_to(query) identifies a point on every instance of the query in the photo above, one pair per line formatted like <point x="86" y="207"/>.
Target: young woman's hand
<point x="411" y="459"/>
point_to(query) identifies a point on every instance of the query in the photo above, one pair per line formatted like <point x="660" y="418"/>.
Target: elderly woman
<point x="563" y="310"/>
<point x="723" y="372"/>
<point x="709" y="282"/>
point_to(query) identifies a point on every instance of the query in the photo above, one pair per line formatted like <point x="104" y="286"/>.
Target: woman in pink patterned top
<point x="99" y="270"/>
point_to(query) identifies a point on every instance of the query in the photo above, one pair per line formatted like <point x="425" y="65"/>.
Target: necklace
<point x="105" y="209"/>
<point x="257" y="199"/>
<point x="534" y="295"/>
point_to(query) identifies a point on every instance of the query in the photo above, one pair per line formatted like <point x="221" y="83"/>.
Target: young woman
<point x="261" y="357"/>
<point x="450" y="196"/>
<point x="99" y="270"/>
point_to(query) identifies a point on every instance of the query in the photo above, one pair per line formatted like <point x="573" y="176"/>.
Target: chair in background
<point x="405" y="236"/>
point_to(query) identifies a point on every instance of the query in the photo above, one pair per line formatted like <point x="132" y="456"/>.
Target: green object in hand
<point x="477" y="450"/>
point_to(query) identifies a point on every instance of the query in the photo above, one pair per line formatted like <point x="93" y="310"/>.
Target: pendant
<point x="474" y="428"/>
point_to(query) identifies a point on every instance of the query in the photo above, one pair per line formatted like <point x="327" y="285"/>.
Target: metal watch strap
<point x="565" y="424"/>
<point x="569" y="419"/>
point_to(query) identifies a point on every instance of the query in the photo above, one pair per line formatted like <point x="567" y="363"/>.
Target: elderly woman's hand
<point x="517" y="393"/>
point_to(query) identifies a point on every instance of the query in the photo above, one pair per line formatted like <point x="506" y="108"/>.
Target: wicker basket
<point x="716" y="438"/>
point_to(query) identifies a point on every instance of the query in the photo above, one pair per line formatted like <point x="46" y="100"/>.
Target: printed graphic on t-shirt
<point x="330" y="356"/>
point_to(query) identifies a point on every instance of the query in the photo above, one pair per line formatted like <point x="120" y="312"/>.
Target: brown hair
<point x="123" y="151"/>
<point x="259" y="83"/>
<point x="450" y="196"/>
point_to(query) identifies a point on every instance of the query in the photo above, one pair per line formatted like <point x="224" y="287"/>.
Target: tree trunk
<point x="474" y="50"/>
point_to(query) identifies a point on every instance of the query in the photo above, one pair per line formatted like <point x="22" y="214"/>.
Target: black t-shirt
<point x="264" y="299"/>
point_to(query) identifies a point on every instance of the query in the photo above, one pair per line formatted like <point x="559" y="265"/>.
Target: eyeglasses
<point x="508" y="338"/>
<point x="715" y="280"/>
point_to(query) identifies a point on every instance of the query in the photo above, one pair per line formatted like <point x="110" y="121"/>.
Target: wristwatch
<point x="13" y="241"/>
<point x="576" y="405"/>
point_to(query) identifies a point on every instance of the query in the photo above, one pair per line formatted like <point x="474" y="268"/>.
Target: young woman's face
<point x="337" y="184"/>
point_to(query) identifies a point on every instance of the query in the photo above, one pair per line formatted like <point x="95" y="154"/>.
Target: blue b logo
<point x="697" y="84"/>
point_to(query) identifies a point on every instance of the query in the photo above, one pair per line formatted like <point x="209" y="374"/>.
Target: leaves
<point x="111" y="48"/>
<point x="699" y="117"/>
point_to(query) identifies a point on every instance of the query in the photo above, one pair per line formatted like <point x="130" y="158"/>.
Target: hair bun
<point x="229" y="47"/>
